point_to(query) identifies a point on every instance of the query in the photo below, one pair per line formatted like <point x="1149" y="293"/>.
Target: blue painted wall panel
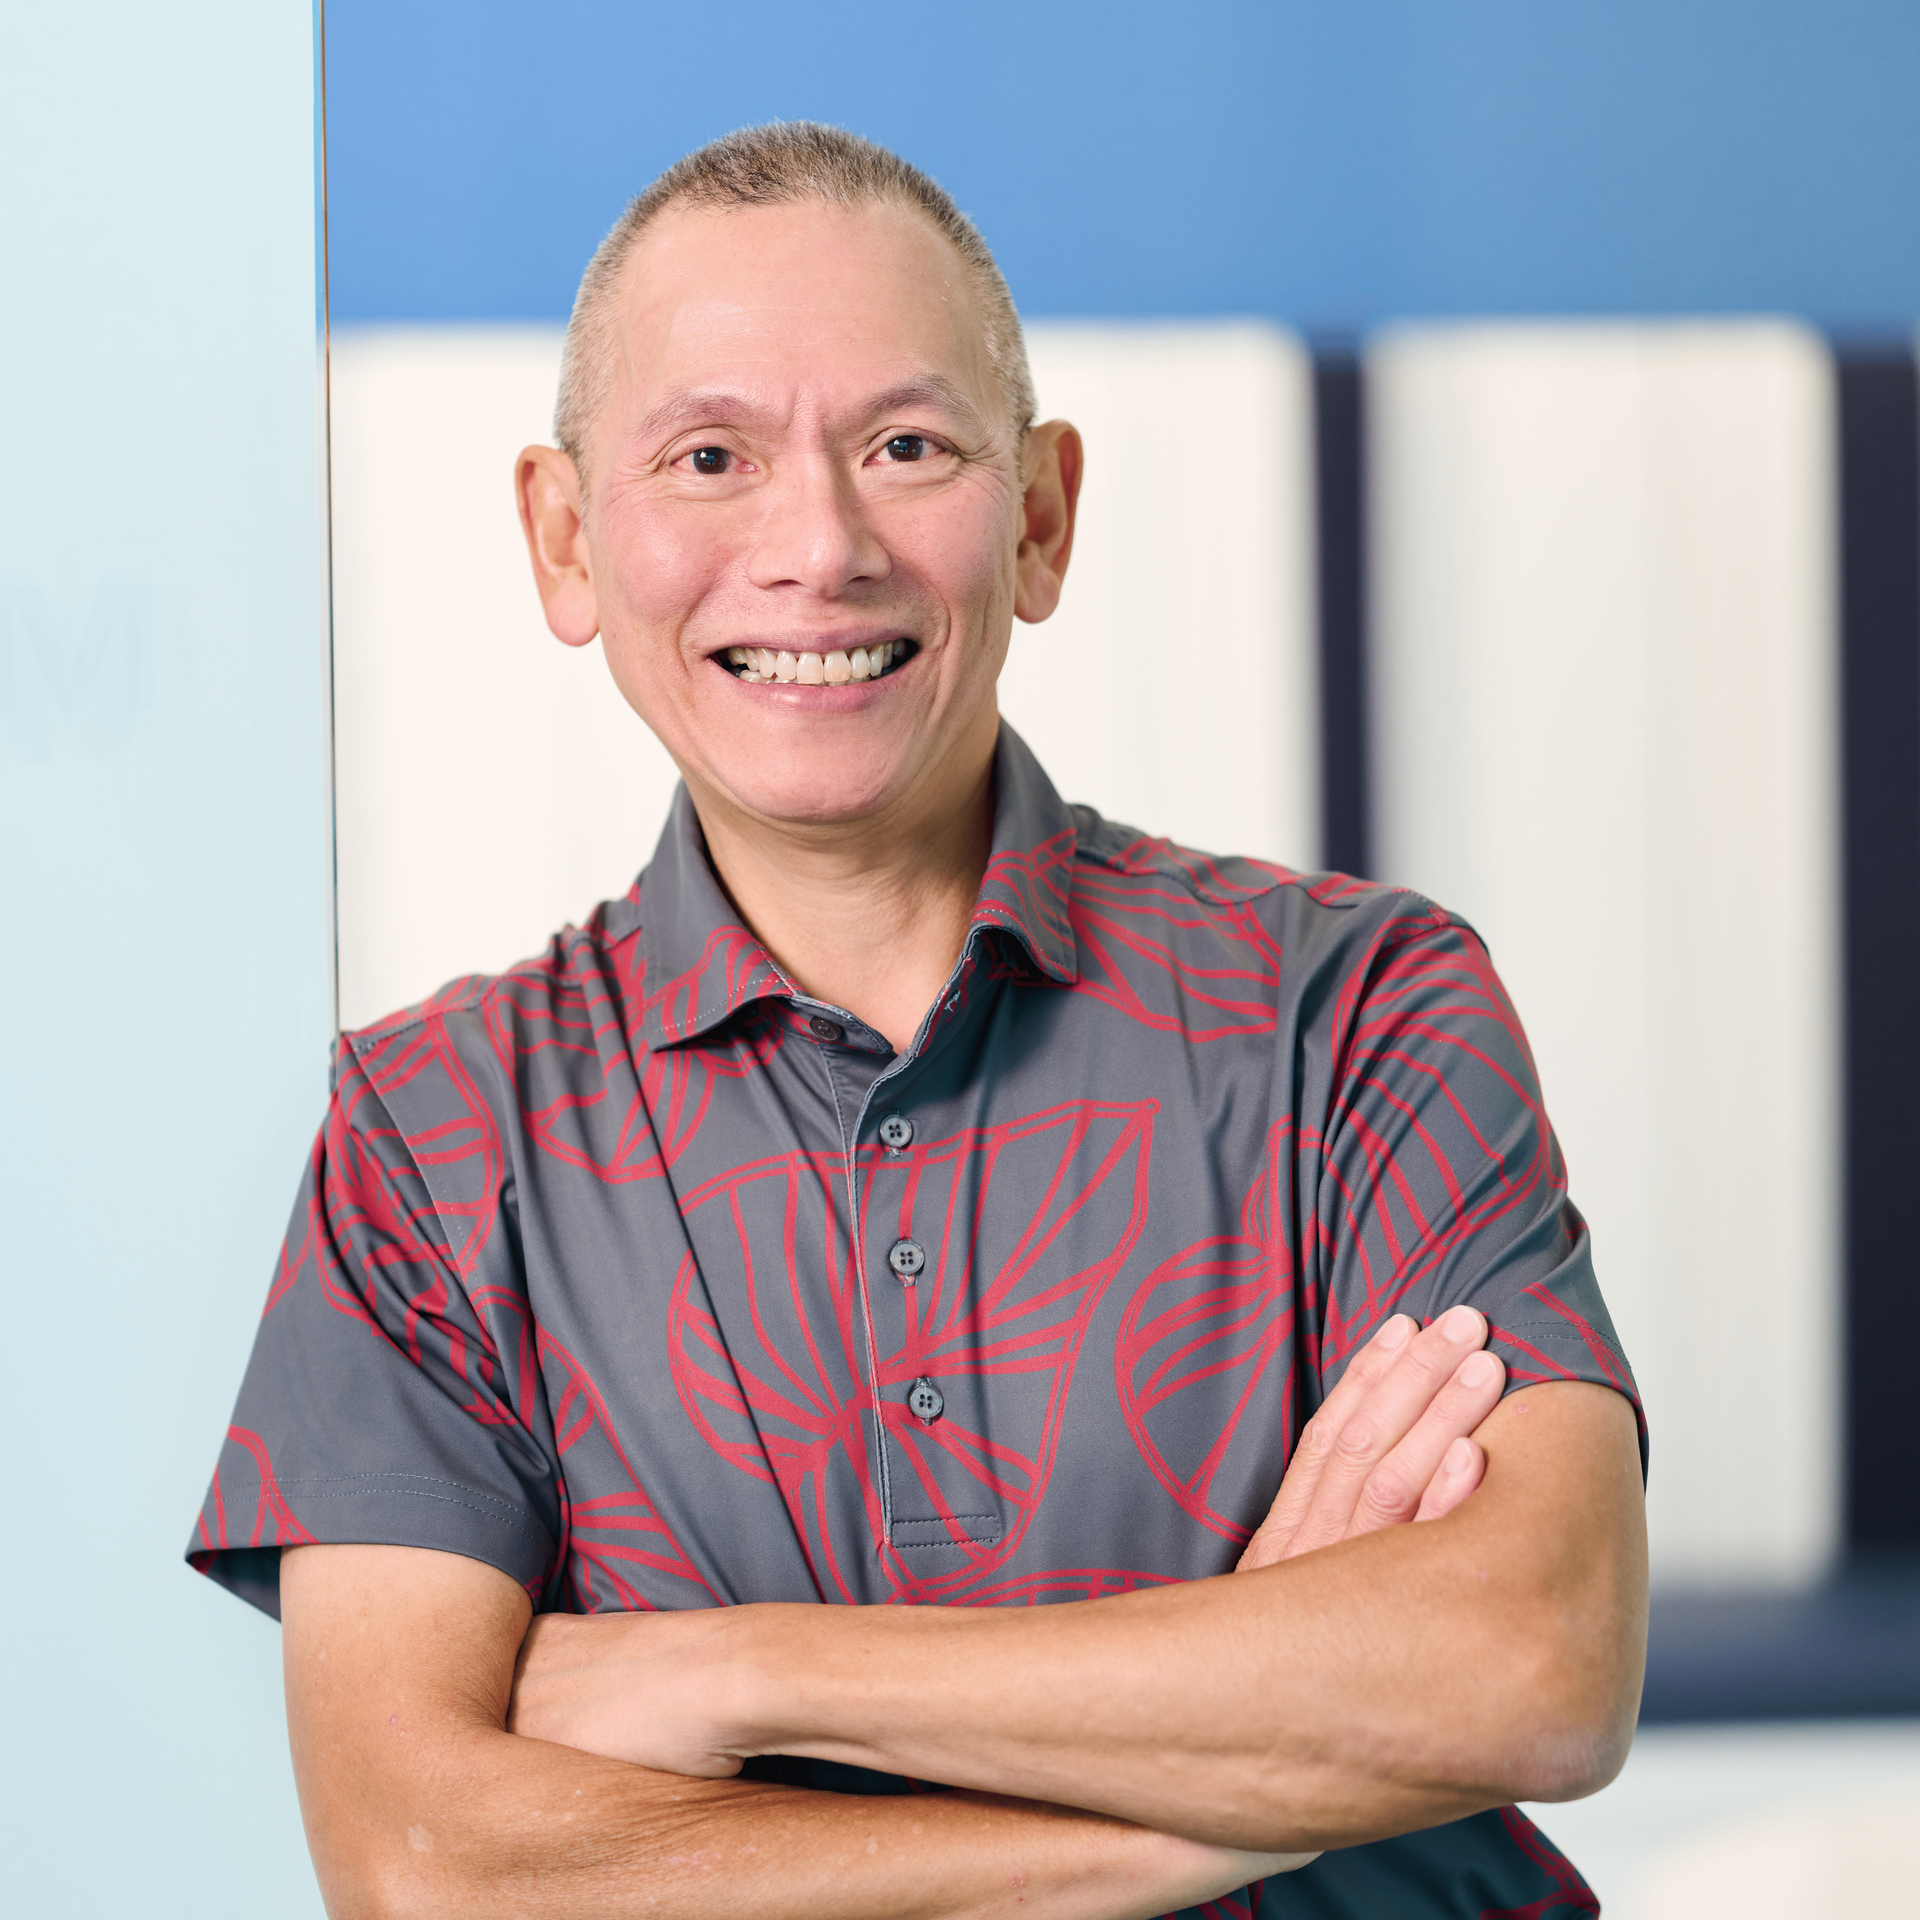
<point x="164" y="872"/>
<point x="1322" y="165"/>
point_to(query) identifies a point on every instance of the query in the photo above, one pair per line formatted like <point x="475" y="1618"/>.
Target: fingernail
<point x="1395" y="1333"/>
<point x="1461" y="1324"/>
<point x="1459" y="1457"/>
<point x="1478" y="1371"/>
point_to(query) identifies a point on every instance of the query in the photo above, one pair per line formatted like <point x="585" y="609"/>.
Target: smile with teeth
<point x="758" y="665"/>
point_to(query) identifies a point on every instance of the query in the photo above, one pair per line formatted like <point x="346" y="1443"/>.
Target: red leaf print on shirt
<point x="1220" y="1310"/>
<point x="779" y="1378"/>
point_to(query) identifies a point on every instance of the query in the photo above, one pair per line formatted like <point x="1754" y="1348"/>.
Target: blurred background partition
<point x="1605" y="669"/>
<point x="165" y="873"/>
<point x="493" y="783"/>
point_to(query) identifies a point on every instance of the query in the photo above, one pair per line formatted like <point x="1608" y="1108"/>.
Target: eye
<point x="908" y="446"/>
<point x="711" y="459"/>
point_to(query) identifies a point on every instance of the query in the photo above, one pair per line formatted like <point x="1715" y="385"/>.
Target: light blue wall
<point x="1323" y="162"/>
<point x="163" y="881"/>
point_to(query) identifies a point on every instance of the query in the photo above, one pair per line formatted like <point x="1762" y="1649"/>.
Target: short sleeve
<point x="1439" y="1178"/>
<point x="392" y="1395"/>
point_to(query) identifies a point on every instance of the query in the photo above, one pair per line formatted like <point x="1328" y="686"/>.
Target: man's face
<point x="807" y="453"/>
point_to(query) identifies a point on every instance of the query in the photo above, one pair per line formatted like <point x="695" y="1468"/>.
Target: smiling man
<point x="777" y="1407"/>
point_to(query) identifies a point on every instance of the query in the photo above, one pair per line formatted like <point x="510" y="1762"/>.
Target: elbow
<point x="1569" y="1720"/>
<point x="1568" y="1761"/>
<point x="375" y="1886"/>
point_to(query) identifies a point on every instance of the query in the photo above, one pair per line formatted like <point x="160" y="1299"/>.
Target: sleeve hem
<point x="377" y="1510"/>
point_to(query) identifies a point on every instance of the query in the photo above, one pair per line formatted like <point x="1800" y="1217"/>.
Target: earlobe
<point x="1054" y="461"/>
<point x="547" y="490"/>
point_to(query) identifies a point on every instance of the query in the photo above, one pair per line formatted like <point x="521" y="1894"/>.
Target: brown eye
<point x="907" y="446"/>
<point x="711" y="459"/>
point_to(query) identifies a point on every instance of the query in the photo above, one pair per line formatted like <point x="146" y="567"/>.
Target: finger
<point x="1461" y="1468"/>
<point x="1396" y="1487"/>
<point x="1367" y="1368"/>
<point x="1382" y="1420"/>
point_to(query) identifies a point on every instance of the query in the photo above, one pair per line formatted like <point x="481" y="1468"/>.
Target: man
<point x="919" y="1191"/>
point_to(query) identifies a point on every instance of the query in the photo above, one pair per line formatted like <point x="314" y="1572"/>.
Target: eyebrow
<point x="697" y="406"/>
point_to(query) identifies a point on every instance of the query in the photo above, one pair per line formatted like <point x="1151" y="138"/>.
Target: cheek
<point x="663" y="564"/>
<point x="968" y="560"/>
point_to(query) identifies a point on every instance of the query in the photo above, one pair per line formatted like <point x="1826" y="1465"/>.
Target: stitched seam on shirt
<point x="353" y="1486"/>
<point x="968" y="1538"/>
<point x="1559" y="1329"/>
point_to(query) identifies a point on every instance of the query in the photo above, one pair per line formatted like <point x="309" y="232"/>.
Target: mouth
<point x="757" y="666"/>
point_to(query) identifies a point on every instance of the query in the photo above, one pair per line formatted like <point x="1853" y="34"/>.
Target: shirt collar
<point x="703" y="964"/>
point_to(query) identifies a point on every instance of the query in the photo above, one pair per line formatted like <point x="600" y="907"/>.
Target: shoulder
<point x="1120" y="865"/>
<point x="1110" y="848"/>
<point x="1219" y="946"/>
<point x="489" y="1025"/>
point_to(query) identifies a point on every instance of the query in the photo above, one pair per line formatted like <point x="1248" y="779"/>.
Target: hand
<point x="1390" y="1443"/>
<point x="648" y="1688"/>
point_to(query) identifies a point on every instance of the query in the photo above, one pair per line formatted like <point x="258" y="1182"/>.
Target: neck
<point x="869" y="915"/>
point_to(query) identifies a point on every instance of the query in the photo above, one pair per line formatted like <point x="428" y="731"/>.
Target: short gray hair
<point x="789" y="161"/>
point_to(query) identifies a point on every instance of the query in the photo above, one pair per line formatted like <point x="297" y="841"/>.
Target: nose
<point x="816" y="533"/>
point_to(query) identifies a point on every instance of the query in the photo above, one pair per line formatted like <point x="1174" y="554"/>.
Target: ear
<point x="548" y="490"/>
<point x="1053" y="460"/>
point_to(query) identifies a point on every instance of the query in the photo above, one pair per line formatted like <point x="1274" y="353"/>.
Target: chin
<point x="813" y="803"/>
<point x="819" y="789"/>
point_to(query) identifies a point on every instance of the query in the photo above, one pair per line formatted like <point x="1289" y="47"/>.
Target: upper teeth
<point x="813" y="669"/>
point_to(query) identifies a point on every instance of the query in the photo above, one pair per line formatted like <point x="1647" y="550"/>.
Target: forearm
<point x="1297" y="1707"/>
<point x="484" y="1823"/>
<point x="419" y="1802"/>
<point x="1389" y="1683"/>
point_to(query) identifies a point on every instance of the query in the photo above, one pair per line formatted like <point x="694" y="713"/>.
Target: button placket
<point x="890" y="1307"/>
<point x="875" y="1304"/>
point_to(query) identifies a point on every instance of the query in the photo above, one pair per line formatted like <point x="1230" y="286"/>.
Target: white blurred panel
<point x="1791" y="1821"/>
<point x="1176" y="688"/>
<point x="491" y="784"/>
<point x="1605" y="658"/>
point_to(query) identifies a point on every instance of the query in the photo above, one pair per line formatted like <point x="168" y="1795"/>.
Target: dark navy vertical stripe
<point x="1340" y="479"/>
<point x="1879" y="412"/>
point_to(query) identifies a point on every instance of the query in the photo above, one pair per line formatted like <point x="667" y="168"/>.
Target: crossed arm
<point x="1356" y="1677"/>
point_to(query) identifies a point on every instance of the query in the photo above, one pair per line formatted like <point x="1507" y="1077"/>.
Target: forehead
<point x="808" y="301"/>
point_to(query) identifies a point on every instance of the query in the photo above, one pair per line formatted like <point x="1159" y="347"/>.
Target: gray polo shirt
<point x="644" y="1277"/>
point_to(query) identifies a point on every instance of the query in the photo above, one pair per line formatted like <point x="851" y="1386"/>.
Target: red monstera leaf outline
<point x="270" y="1507"/>
<point x="667" y="1104"/>
<point x="1222" y="1307"/>
<point x="613" y="1536"/>
<point x="1145" y="925"/>
<point x="792" y="1412"/>
<point x="605" y="1540"/>
<point x="957" y="1325"/>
